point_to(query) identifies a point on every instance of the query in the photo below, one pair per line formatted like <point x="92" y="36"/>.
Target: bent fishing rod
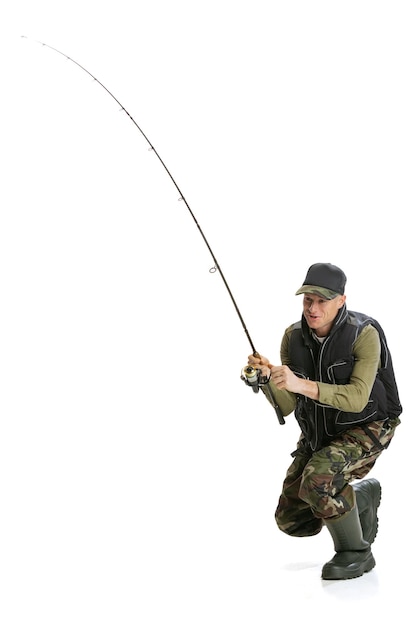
<point x="250" y="375"/>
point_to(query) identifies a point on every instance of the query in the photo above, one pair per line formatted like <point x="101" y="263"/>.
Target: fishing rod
<point x="251" y="376"/>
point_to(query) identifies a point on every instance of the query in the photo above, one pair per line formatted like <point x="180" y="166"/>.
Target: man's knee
<point x="297" y="521"/>
<point x="327" y="495"/>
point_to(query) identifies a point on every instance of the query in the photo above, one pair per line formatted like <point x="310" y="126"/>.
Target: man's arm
<point x="351" y="397"/>
<point x="355" y="395"/>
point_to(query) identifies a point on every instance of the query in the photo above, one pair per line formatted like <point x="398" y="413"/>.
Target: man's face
<point x="320" y="313"/>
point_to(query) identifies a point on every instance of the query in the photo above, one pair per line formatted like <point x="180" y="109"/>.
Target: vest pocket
<point x="339" y="372"/>
<point x="343" y="419"/>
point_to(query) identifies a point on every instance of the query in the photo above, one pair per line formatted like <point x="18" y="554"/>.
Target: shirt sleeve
<point x="354" y="396"/>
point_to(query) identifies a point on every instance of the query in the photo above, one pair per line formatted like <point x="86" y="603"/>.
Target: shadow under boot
<point x="353" y="556"/>
<point x="368" y="495"/>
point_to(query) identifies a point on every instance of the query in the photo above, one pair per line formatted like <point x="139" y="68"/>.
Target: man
<point x="337" y="377"/>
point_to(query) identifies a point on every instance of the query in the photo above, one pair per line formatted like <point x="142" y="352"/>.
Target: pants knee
<point x="297" y="521"/>
<point x="326" y="498"/>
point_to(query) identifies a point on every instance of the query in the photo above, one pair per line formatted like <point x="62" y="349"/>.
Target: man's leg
<point x="325" y="485"/>
<point x="294" y="516"/>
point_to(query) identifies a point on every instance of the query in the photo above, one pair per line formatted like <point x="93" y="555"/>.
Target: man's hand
<point x="283" y="377"/>
<point x="261" y="363"/>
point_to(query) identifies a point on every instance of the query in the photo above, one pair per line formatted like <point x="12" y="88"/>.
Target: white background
<point x="138" y="475"/>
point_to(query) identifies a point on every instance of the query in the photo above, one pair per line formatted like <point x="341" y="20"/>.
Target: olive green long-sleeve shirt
<point x="352" y="397"/>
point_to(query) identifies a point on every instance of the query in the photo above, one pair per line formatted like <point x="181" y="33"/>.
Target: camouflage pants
<point x="317" y="484"/>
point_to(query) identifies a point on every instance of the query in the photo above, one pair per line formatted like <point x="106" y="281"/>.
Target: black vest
<point x="332" y="362"/>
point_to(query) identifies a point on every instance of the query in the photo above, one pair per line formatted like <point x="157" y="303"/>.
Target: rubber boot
<point x="353" y="554"/>
<point x="368" y="495"/>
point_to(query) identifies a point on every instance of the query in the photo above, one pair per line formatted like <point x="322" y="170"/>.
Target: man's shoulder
<point x="364" y="323"/>
<point x="356" y="317"/>
<point x="293" y="326"/>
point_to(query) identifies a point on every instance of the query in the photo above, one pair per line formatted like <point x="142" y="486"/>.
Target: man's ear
<point x="342" y="301"/>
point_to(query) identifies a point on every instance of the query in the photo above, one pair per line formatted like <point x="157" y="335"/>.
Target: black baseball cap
<point x="324" y="279"/>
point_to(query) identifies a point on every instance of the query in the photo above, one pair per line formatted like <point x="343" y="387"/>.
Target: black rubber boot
<point x="353" y="554"/>
<point x="368" y="495"/>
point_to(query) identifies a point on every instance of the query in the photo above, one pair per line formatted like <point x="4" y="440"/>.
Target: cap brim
<point x="319" y="291"/>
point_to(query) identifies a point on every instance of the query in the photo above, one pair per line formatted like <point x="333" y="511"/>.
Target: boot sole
<point x="355" y="570"/>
